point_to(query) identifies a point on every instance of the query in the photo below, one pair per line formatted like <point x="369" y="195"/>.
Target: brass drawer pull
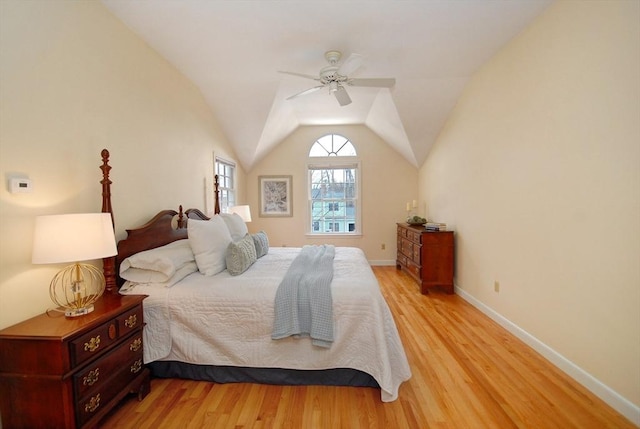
<point x="91" y="378"/>
<point x="93" y="404"/>
<point x="92" y="345"/>
<point x="136" y="367"/>
<point x="131" y="321"/>
<point x="135" y="345"/>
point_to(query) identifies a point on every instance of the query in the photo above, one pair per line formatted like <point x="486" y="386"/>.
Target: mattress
<point x="227" y="320"/>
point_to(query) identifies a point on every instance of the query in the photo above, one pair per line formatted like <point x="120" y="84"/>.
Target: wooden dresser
<point x="426" y="256"/>
<point x="59" y="372"/>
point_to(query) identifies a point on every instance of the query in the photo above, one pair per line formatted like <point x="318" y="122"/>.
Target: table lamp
<point x="74" y="238"/>
<point x="243" y="211"/>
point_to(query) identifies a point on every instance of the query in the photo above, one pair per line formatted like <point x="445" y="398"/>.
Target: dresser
<point x="60" y="372"/>
<point x="426" y="256"/>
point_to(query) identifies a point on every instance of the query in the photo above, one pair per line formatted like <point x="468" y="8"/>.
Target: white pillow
<point x="157" y="265"/>
<point x="237" y="227"/>
<point x="182" y="272"/>
<point x="209" y="240"/>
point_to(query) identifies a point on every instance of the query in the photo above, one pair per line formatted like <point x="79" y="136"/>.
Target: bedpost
<point x="216" y="195"/>
<point x="108" y="264"/>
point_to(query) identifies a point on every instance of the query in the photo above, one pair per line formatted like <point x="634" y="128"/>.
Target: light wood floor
<point x="468" y="372"/>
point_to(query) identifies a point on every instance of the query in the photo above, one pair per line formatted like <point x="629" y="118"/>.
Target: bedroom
<point x="518" y="216"/>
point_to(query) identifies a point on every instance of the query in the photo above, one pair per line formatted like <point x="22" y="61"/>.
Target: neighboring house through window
<point x="334" y="189"/>
<point x="226" y="171"/>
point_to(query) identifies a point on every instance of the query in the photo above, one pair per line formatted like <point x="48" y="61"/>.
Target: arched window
<point x="332" y="145"/>
<point x="334" y="191"/>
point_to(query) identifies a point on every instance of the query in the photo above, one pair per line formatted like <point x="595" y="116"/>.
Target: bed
<point x="220" y="326"/>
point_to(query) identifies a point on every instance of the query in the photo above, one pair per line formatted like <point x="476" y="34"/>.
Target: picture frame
<point x="276" y="197"/>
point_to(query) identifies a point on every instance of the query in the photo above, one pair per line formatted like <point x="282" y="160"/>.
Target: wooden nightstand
<point x="59" y="372"/>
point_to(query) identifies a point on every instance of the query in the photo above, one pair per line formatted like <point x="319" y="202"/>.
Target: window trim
<point x="224" y="204"/>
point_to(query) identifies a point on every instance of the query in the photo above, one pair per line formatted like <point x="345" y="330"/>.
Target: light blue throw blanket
<point x="303" y="303"/>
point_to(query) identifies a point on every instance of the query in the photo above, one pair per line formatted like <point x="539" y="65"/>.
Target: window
<point x="226" y="178"/>
<point x="332" y="145"/>
<point x="334" y="197"/>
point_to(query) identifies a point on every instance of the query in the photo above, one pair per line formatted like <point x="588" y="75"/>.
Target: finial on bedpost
<point x="216" y="195"/>
<point x="106" y="184"/>
<point x="180" y="218"/>
<point x="108" y="264"/>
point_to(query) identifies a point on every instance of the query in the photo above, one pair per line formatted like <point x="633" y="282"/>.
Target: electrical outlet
<point x="383" y="246"/>
<point x="496" y="286"/>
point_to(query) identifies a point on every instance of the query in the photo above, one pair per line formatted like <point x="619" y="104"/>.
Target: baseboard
<point x="383" y="263"/>
<point x="604" y="392"/>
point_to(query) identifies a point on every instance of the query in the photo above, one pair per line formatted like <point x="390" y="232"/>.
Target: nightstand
<point x="60" y="372"/>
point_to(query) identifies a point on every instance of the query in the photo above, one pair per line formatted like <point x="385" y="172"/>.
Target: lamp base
<point x="75" y="312"/>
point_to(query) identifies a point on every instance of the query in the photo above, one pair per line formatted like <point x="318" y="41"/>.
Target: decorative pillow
<point x="209" y="240"/>
<point x="157" y="265"/>
<point x="241" y="255"/>
<point x="261" y="243"/>
<point x="237" y="227"/>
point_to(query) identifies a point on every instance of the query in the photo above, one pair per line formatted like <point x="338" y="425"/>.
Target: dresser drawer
<point x="129" y="321"/>
<point x="414" y="269"/>
<point x="407" y="248"/>
<point x="93" y="403"/>
<point x="416" y="254"/>
<point x="402" y="260"/>
<point x="96" y="374"/>
<point x="93" y="343"/>
<point x="414" y="236"/>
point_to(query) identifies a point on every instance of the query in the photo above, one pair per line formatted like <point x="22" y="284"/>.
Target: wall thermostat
<point x="20" y="185"/>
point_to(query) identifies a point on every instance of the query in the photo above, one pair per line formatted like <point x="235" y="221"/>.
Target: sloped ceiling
<point x="233" y="50"/>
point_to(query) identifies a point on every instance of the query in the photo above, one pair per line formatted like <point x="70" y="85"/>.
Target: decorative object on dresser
<point x="74" y="238"/>
<point x="58" y="372"/>
<point x="427" y="256"/>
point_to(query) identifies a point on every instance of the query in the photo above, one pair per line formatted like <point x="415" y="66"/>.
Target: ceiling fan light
<point x="333" y="86"/>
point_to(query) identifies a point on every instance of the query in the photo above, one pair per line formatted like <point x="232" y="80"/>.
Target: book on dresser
<point x="435" y="226"/>
<point x="60" y="372"/>
<point x="426" y="255"/>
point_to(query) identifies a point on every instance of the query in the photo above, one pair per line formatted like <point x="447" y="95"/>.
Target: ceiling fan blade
<point x="306" y="91"/>
<point x="342" y="96"/>
<point x="350" y="65"/>
<point x="374" y="82"/>
<point x="307" y="76"/>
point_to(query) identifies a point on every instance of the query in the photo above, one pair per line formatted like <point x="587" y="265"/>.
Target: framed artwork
<point x="275" y="196"/>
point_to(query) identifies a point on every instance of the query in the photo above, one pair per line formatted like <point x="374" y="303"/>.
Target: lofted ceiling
<point x="232" y="51"/>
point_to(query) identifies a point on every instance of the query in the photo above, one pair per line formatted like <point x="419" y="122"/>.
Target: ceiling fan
<point x="335" y="77"/>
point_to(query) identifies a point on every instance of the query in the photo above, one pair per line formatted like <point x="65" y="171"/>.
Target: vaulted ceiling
<point x="233" y="50"/>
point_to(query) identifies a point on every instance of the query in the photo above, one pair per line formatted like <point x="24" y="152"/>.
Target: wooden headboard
<point x="163" y="228"/>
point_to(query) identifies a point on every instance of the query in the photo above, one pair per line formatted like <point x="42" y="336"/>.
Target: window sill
<point x="334" y="235"/>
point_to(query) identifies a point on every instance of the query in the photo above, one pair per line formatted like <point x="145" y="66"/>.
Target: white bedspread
<point x="228" y="320"/>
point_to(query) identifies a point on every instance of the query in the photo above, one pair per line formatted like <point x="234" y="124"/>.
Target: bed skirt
<point x="290" y="377"/>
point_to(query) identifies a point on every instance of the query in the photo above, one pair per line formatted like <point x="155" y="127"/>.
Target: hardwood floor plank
<point x="467" y="372"/>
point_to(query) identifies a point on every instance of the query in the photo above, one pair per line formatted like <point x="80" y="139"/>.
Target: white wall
<point x="538" y="168"/>
<point x="75" y="80"/>
<point x="388" y="182"/>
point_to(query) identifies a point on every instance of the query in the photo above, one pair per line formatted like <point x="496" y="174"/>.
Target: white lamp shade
<point x="243" y="211"/>
<point x="73" y="238"/>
